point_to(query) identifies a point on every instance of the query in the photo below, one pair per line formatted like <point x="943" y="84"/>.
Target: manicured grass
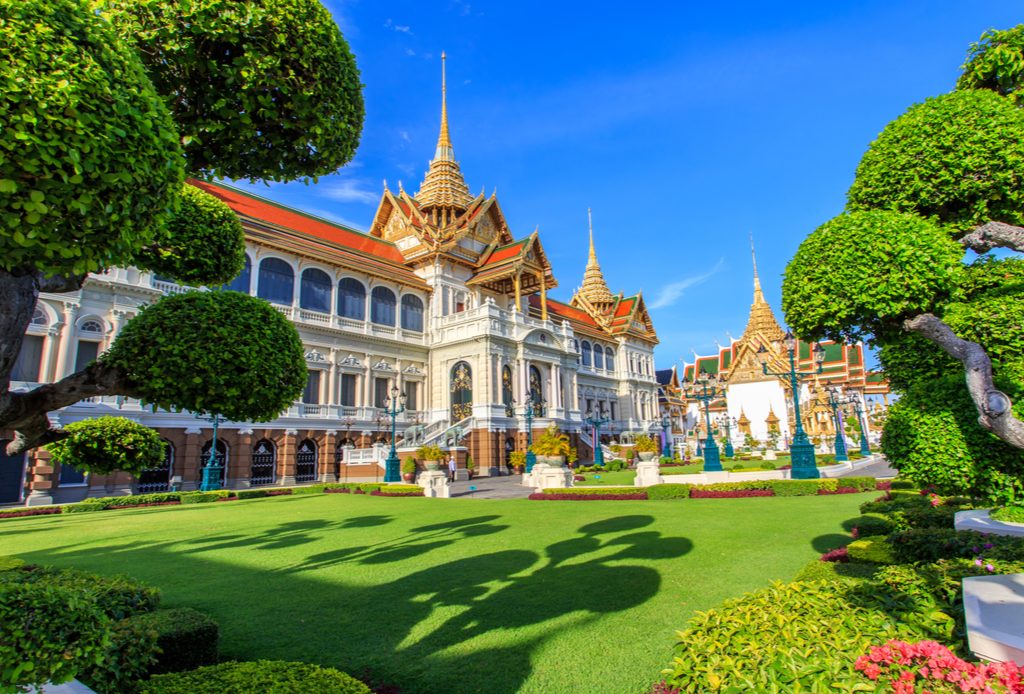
<point x="619" y="478"/>
<point x="453" y="595"/>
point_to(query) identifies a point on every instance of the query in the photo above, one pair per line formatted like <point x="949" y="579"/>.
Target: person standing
<point x="451" y="467"/>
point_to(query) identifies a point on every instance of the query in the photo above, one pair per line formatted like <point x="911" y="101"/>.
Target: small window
<point x="411" y="401"/>
<point x="241" y="283"/>
<point x="28" y="364"/>
<point x="412" y="313"/>
<point x="587" y="354"/>
<point x="382" y="306"/>
<point x="609" y="359"/>
<point x="351" y="299"/>
<point x="315" y="291"/>
<point x="91" y="326"/>
<point x="380" y="392"/>
<point x="348" y="390"/>
<point x="86" y="354"/>
<point x="40" y="318"/>
<point x="277" y="282"/>
<point x="598" y="357"/>
<point x="71" y="476"/>
<point x="311" y="396"/>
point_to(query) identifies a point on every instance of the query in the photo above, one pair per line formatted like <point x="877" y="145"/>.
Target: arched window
<point x="315" y="291"/>
<point x="587" y="354"/>
<point x="40" y="317"/>
<point x="91" y="326"/>
<point x="305" y="461"/>
<point x="241" y="283"/>
<point x="351" y="299"/>
<point x="598" y="357"/>
<point x="223" y="457"/>
<point x="277" y="282"/>
<point x="382" y="306"/>
<point x="158" y="479"/>
<point x="507" y="396"/>
<point x="264" y="463"/>
<point x="537" y="392"/>
<point x="609" y="359"/>
<point x="412" y="313"/>
<point x="461" y="391"/>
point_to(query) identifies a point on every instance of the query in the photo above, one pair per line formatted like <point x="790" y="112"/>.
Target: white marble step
<point x="994" y="609"/>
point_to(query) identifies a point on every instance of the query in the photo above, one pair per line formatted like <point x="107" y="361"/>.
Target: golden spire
<point x="594" y="290"/>
<point x="757" y="280"/>
<point x="761" y="321"/>
<point x="443" y="185"/>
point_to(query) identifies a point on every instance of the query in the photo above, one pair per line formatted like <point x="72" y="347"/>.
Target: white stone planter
<point x="980" y="520"/>
<point x="994" y="612"/>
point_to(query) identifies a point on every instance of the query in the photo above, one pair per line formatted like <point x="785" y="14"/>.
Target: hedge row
<point x="633" y="496"/>
<point x="718" y="490"/>
<point x="258" y="676"/>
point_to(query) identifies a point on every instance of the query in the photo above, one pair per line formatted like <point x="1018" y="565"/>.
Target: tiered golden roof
<point x="595" y="289"/>
<point x="443" y="185"/>
<point x="761" y="322"/>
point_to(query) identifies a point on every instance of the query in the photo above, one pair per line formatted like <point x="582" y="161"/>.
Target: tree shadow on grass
<point x="473" y="624"/>
<point x="826" y="543"/>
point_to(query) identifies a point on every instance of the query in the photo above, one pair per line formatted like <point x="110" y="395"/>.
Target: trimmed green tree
<point x="104" y="115"/>
<point x="106" y="444"/>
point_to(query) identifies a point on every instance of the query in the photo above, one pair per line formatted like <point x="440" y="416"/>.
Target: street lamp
<point x="855" y="401"/>
<point x="394" y="407"/>
<point x="666" y="446"/>
<point x="835" y="402"/>
<point x="531" y="457"/>
<point x="710" y="387"/>
<point x="801" y="450"/>
<point x="213" y="469"/>
<point x="727" y="421"/>
<point x="596" y="419"/>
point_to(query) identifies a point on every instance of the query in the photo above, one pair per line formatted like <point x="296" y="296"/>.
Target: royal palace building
<point x="438" y="298"/>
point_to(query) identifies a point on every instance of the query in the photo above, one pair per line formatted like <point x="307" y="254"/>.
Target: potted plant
<point x="517" y="459"/>
<point x="430" y="455"/>
<point x="646" y="447"/>
<point x="470" y="465"/>
<point x="551" y="447"/>
<point x="573" y="456"/>
<point x="409" y="469"/>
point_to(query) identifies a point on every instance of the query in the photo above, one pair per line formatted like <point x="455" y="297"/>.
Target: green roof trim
<point x="853" y="356"/>
<point x="804" y="350"/>
<point x="833" y="351"/>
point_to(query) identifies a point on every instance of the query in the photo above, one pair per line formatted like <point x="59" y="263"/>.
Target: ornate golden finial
<point x="444" y="141"/>
<point x="444" y="186"/>
<point x="762" y="328"/>
<point x="594" y="289"/>
<point x="757" y="280"/>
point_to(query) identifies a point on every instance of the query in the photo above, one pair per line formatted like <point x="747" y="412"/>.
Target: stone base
<point x="770" y="455"/>
<point x="994" y="613"/>
<point x="979" y="519"/>
<point x="548" y="477"/>
<point x="647" y="474"/>
<point x="286" y="481"/>
<point x="328" y="478"/>
<point x="39" y="498"/>
<point x="435" y="484"/>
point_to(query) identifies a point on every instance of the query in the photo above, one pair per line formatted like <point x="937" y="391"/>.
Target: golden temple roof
<point x="443" y="184"/>
<point x="761" y="321"/>
<point x="595" y="289"/>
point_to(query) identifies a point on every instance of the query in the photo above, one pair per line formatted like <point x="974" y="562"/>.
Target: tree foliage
<point x="862" y="273"/>
<point x="89" y="157"/>
<point x="996" y="62"/>
<point x="957" y="158"/>
<point x="203" y="243"/>
<point x="105" y="444"/>
<point x="932" y="436"/>
<point x="260" y="89"/>
<point x="220" y="352"/>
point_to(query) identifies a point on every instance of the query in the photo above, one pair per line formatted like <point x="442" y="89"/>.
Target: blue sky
<point x="685" y="126"/>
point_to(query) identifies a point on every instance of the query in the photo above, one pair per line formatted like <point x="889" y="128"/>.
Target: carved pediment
<point x="315" y="356"/>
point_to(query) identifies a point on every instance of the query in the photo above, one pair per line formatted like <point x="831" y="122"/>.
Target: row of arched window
<point x="276" y="284"/>
<point x="597" y="356"/>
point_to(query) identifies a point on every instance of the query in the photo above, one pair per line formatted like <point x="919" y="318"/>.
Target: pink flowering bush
<point x="927" y="666"/>
<point x="840" y="554"/>
<point x="728" y="493"/>
<point x="638" y="496"/>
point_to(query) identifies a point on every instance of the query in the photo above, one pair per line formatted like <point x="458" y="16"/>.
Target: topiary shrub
<point x="844" y="572"/>
<point x="265" y="676"/>
<point x="205" y="497"/>
<point x="217" y="334"/>
<point x="801" y="487"/>
<point x="996" y="62"/>
<point x="669" y="491"/>
<point x="106" y="444"/>
<point x="90" y="162"/>
<point x="48" y="632"/>
<point x="86" y="506"/>
<point x="933" y="544"/>
<point x="311" y="489"/>
<point x="187" y="639"/>
<point x="132" y="651"/>
<point x="871" y="549"/>
<point x="116" y="596"/>
<point x="265" y="90"/>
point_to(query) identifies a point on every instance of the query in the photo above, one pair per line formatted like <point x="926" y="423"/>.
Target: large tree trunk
<point x="994" y="407"/>
<point x="18" y="294"/>
<point x="994" y="235"/>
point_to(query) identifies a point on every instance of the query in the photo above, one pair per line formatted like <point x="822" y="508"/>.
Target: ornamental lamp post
<point x="727" y="422"/>
<point x="213" y="469"/>
<point x="834" y="401"/>
<point x="395" y="406"/>
<point x="596" y="419"/>
<point x="801" y="450"/>
<point x="706" y="389"/>
<point x="666" y="425"/>
<point x="865" y="449"/>
<point x="531" y="457"/>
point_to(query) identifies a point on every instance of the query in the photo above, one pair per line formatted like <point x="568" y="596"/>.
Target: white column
<point x="53" y="337"/>
<point x="332" y="380"/>
<point x="66" y="341"/>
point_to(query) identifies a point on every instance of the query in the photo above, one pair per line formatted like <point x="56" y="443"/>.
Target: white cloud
<point x="348" y="190"/>
<point x="400" y="28"/>
<point x="410" y="52"/>
<point x="671" y="293"/>
<point x="404" y="135"/>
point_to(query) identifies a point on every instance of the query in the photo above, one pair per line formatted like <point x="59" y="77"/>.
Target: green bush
<point x="894" y="503"/>
<point x="870" y="524"/>
<point x="48" y="632"/>
<point x="132" y="650"/>
<point x="902" y="484"/>
<point x="116" y="596"/>
<point x="996" y="62"/>
<point x="873" y="549"/>
<point x="669" y="491"/>
<point x="106" y="444"/>
<point x="734" y="486"/>
<point x="91" y="161"/>
<point x="1008" y="514"/>
<point x="187" y="639"/>
<point x="87" y="506"/>
<point x="800" y="487"/>
<point x="264" y="676"/>
<point x="847" y="572"/>
<point x="616" y="465"/>
<point x="795" y="637"/>
<point x="861" y="484"/>
<point x="204" y="497"/>
<point x="586" y="491"/>
<point x="9" y="563"/>
<point x="310" y="489"/>
<point x="252" y="493"/>
<point x="932" y="544"/>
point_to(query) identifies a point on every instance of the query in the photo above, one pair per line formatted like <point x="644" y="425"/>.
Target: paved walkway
<point x="880" y="468"/>
<point x="504" y="487"/>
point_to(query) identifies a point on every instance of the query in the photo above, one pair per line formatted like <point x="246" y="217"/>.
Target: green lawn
<point x="619" y="478"/>
<point x="450" y="596"/>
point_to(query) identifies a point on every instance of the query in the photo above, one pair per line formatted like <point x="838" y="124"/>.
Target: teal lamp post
<point x="213" y="469"/>
<point x="596" y="419"/>
<point x="727" y="422"/>
<point x="834" y="401"/>
<point x="666" y="429"/>
<point x="865" y="449"/>
<point x="706" y="389"/>
<point x="801" y="450"/>
<point x="395" y="406"/>
<point x="531" y="457"/>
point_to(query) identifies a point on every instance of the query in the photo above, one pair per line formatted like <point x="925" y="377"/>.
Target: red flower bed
<point x="279" y="492"/>
<point x="226" y="498"/>
<point x="728" y="494"/>
<point x="336" y="491"/>
<point x="639" y="496"/>
<point x="839" y="555"/>
<point x="903" y="666"/>
<point x="884" y="485"/>
<point x="380" y="493"/>
<point x="840" y="490"/>
<point x="22" y="513"/>
<point x="154" y="503"/>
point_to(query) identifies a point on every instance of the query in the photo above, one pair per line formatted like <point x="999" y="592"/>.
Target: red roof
<point x="247" y="205"/>
<point x="565" y="311"/>
<point x="625" y="306"/>
<point x="505" y="252"/>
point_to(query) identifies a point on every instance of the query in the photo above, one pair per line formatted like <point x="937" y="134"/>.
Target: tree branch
<point x="26" y="413"/>
<point x="994" y="235"/>
<point x="994" y="407"/>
